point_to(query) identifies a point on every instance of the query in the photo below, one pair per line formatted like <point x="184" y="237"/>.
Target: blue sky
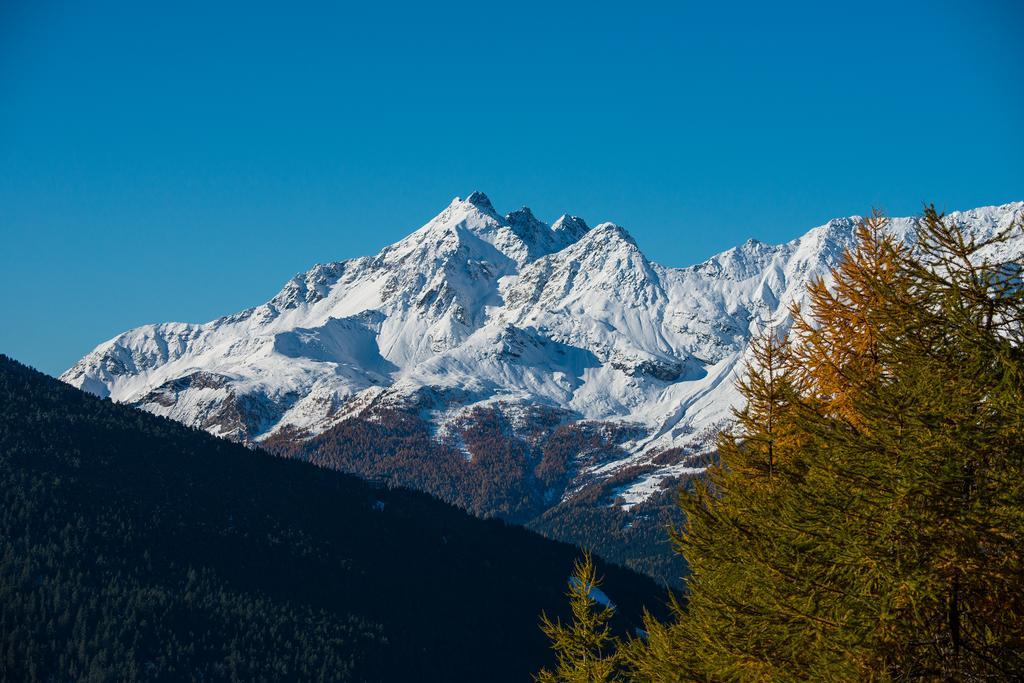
<point x="180" y="163"/>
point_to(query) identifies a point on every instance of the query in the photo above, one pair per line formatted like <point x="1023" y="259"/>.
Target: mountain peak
<point x="573" y="227"/>
<point x="480" y="201"/>
<point x="609" y="232"/>
<point x="521" y="215"/>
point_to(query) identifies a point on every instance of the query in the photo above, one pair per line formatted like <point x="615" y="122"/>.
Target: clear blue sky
<point x="180" y="163"/>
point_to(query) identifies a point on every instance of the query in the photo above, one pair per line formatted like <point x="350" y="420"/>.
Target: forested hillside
<point x="132" y="547"/>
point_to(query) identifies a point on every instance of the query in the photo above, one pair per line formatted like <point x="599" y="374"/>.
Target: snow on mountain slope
<point x="477" y="309"/>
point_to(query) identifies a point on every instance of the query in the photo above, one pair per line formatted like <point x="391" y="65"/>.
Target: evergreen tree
<point x="585" y="647"/>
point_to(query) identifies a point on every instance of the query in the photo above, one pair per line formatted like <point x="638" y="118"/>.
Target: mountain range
<point x="550" y="374"/>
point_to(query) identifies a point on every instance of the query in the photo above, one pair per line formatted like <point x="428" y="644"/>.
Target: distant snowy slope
<point x="548" y="325"/>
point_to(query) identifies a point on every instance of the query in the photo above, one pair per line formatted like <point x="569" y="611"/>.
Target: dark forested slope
<point x="132" y="547"/>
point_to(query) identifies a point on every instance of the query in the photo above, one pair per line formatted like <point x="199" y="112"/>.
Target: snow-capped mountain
<point x="547" y="326"/>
